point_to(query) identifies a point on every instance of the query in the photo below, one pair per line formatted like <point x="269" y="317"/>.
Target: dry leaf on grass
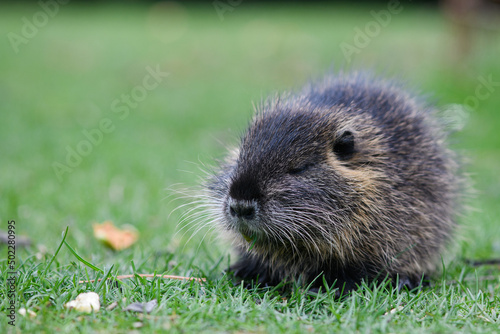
<point x="142" y="307"/>
<point x="85" y="302"/>
<point x="114" y="237"/>
<point x="21" y="241"/>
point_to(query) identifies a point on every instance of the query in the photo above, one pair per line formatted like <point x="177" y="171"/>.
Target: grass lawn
<point x="70" y="76"/>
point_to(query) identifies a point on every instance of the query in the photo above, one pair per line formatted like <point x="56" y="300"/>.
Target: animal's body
<point x="349" y="178"/>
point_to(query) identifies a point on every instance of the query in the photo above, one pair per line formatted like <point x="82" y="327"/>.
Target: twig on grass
<point x="120" y="277"/>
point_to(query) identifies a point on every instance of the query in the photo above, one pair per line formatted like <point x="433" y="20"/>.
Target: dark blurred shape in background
<point x="472" y="20"/>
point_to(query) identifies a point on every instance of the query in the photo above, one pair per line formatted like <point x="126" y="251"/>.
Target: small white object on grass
<point x="85" y="302"/>
<point x="22" y="311"/>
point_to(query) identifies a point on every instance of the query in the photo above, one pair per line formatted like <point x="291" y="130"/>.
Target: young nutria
<point x="349" y="178"/>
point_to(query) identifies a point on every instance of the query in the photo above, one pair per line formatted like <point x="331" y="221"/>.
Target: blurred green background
<point x="60" y="77"/>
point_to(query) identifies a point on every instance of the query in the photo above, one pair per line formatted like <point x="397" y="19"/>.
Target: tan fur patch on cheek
<point x="366" y="183"/>
<point x="365" y="179"/>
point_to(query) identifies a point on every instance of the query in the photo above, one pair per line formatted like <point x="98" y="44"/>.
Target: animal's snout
<point x="241" y="209"/>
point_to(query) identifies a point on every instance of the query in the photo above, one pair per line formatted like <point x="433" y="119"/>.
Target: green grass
<point x="64" y="81"/>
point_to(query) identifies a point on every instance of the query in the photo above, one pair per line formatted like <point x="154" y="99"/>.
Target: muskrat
<point x="349" y="178"/>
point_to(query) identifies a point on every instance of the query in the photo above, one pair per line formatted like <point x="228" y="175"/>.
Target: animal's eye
<point x="344" y="147"/>
<point x="299" y="170"/>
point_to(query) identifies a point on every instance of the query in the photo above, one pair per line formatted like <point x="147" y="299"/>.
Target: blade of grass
<point x="104" y="279"/>
<point x="82" y="260"/>
<point x="57" y="251"/>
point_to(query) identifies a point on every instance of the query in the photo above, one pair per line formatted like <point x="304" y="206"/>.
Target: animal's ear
<point x="344" y="146"/>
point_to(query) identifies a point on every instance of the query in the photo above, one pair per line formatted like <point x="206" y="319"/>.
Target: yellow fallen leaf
<point x="85" y="302"/>
<point x="114" y="237"/>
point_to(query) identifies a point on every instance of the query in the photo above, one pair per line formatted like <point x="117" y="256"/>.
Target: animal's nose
<point x="243" y="209"/>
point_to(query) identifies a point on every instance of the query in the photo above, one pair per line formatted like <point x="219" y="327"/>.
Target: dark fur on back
<point x="349" y="178"/>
